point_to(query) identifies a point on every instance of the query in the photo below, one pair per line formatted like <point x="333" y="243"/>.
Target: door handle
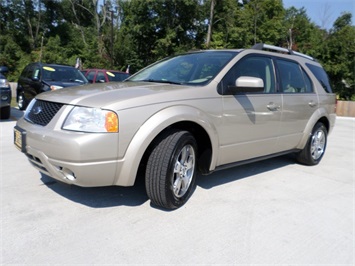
<point x="273" y="107"/>
<point x="312" y="104"/>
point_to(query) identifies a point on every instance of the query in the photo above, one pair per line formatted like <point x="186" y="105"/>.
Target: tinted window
<point x="308" y="81"/>
<point x="90" y="76"/>
<point x="29" y="71"/>
<point x="251" y="66"/>
<point x="37" y="72"/>
<point x="322" y="77"/>
<point x="62" y="74"/>
<point x="292" y="78"/>
<point x="100" y="77"/>
<point x="116" y="76"/>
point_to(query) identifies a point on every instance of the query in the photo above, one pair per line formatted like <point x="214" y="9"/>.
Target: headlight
<point x="4" y="83"/>
<point x="91" y="120"/>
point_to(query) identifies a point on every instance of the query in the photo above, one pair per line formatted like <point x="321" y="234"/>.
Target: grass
<point x="13" y="102"/>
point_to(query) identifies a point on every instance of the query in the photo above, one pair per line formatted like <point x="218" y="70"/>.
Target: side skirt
<point x="253" y="160"/>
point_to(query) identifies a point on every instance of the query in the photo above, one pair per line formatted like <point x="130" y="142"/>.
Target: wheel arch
<point x="319" y="116"/>
<point x="179" y="117"/>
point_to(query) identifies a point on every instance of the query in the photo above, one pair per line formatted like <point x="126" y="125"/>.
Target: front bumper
<point x="82" y="159"/>
<point x="90" y="174"/>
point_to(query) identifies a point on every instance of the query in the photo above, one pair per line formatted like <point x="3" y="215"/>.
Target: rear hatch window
<point x="322" y="77"/>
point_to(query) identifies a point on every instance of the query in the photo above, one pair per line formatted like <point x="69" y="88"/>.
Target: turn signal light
<point x="111" y="122"/>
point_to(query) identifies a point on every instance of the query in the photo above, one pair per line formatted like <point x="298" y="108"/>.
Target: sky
<point x="324" y="12"/>
<point x="321" y="12"/>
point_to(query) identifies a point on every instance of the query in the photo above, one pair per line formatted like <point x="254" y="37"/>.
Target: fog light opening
<point x="68" y="174"/>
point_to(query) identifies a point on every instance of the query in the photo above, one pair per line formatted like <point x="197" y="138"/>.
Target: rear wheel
<point x="171" y="169"/>
<point x="314" y="150"/>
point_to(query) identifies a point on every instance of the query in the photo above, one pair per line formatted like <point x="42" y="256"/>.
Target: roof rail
<point x="263" y="46"/>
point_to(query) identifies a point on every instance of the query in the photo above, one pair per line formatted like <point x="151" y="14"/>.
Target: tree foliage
<point x="118" y="33"/>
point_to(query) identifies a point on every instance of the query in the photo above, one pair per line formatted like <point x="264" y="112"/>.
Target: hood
<point x="123" y="94"/>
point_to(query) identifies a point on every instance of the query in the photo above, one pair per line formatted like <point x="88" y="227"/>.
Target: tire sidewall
<point x="309" y="145"/>
<point x="185" y="139"/>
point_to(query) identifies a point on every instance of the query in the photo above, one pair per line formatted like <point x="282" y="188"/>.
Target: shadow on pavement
<point x="223" y="177"/>
<point x="15" y="115"/>
<point x="99" y="197"/>
<point x="104" y="197"/>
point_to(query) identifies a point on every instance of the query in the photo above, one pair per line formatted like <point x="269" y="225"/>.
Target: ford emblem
<point x="37" y="110"/>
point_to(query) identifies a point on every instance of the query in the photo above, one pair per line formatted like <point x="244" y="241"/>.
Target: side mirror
<point x="246" y="84"/>
<point x="3" y="69"/>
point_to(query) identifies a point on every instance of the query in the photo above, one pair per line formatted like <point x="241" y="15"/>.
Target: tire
<point x="5" y="112"/>
<point x="314" y="150"/>
<point x="22" y="102"/>
<point x="171" y="169"/>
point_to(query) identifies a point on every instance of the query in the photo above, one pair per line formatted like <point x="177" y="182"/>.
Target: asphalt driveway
<point x="270" y="212"/>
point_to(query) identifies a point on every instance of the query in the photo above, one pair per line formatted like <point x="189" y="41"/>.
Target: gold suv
<point x="199" y="111"/>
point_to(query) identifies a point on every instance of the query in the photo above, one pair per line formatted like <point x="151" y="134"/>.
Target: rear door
<point x="299" y="102"/>
<point x="251" y="122"/>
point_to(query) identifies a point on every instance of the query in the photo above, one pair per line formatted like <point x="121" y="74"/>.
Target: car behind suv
<point x="103" y="75"/>
<point x="39" y="77"/>
<point x="199" y="111"/>
<point x="5" y="94"/>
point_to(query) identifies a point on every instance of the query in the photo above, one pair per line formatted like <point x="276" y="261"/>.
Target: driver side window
<point x="251" y="66"/>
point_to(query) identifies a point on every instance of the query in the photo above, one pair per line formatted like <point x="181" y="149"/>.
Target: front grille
<point x="42" y="112"/>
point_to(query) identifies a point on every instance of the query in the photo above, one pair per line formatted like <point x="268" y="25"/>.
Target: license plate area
<point x="20" y="139"/>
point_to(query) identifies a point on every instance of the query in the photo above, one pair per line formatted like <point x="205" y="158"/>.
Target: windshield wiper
<point x="76" y="80"/>
<point x="161" y="81"/>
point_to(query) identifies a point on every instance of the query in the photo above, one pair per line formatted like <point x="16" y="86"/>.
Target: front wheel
<point x="171" y="169"/>
<point x="314" y="150"/>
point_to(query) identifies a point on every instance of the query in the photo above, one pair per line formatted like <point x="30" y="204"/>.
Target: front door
<point x="251" y="122"/>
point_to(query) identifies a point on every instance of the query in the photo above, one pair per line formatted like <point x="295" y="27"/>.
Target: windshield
<point x="194" y="68"/>
<point x="116" y="76"/>
<point x="63" y="74"/>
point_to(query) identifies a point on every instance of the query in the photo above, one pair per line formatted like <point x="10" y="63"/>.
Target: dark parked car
<point x="103" y="75"/>
<point x="5" y="94"/>
<point x="39" y="77"/>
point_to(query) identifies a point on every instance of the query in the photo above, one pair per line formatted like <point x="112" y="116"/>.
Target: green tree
<point x="156" y="29"/>
<point x="339" y="57"/>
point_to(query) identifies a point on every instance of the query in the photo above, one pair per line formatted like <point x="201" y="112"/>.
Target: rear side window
<point x="100" y="77"/>
<point x="29" y="71"/>
<point x="292" y="77"/>
<point x="322" y="77"/>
